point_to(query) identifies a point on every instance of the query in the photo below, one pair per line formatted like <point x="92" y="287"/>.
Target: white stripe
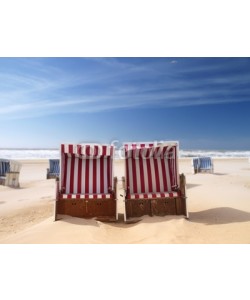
<point x="105" y="175"/>
<point x="138" y="179"/>
<point x="167" y="173"/>
<point x="90" y="176"/>
<point x="130" y="175"/>
<point x="160" y="174"/>
<point x="73" y="196"/>
<point x="145" y="174"/>
<point x="67" y="188"/>
<point x="98" y="183"/>
<point x="65" y="196"/>
<point x="91" y="196"/>
<point x="153" y="174"/>
<point x="83" y="176"/>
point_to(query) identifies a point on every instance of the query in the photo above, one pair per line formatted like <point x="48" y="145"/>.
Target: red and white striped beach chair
<point x="152" y="182"/>
<point x="86" y="187"/>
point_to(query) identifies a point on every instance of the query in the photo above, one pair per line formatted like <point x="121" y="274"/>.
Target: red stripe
<point x="71" y="149"/>
<point x="79" y="182"/>
<point x="101" y="174"/>
<point x="108" y="171"/>
<point x="87" y="177"/>
<point x="104" y="150"/>
<point x="127" y="175"/>
<point x="134" y="176"/>
<point x="94" y="176"/>
<point x="72" y="165"/>
<point x="65" y="160"/>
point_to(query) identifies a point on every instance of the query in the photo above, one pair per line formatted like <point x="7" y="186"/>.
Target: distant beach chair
<point x="54" y="168"/>
<point x="9" y="173"/>
<point x="202" y="164"/>
<point x="87" y="187"/>
<point x="152" y="182"/>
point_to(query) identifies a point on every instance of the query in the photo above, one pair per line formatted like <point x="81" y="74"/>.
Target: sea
<point x="27" y="154"/>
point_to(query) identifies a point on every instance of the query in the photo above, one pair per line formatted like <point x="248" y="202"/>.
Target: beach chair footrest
<point x="87" y="208"/>
<point x="155" y="207"/>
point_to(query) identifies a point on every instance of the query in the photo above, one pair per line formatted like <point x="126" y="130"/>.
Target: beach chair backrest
<point x="86" y="168"/>
<point x="54" y="166"/>
<point x="205" y="163"/>
<point x="151" y="168"/>
<point x="196" y="163"/>
<point x="4" y="167"/>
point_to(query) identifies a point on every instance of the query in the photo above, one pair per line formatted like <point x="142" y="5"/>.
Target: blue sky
<point x="204" y="103"/>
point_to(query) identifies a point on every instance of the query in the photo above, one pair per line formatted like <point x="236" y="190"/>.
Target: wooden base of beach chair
<point x="160" y="206"/>
<point x="155" y="207"/>
<point x="83" y="208"/>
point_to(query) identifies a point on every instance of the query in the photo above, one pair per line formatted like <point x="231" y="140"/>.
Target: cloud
<point x="174" y="62"/>
<point x="39" y="88"/>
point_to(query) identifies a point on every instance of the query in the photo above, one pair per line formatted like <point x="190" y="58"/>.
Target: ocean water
<point x="20" y="154"/>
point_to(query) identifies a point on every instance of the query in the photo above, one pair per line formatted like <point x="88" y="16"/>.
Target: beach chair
<point x="152" y="182"/>
<point x="87" y="187"/>
<point x="202" y="164"/>
<point x="54" y="168"/>
<point x="9" y="173"/>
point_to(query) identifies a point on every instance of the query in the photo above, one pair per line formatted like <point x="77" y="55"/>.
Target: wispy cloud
<point x="38" y="87"/>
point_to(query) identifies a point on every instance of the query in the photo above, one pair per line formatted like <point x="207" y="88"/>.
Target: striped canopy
<point x="88" y="150"/>
<point x="87" y="170"/>
<point x="151" y="168"/>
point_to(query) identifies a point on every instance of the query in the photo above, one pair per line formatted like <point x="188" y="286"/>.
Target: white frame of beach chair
<point x="181" y="181"/>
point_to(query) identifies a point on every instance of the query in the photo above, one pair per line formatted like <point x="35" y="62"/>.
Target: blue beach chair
<point x="9" y="172"/>
<point x="54" y="168"/>
<point x="4" y="169"/>
<point x="203" y="164"/>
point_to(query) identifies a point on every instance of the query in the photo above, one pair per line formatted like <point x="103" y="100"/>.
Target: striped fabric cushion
<point x="82" y="174"/>
<point x="87" y="196"/>
<point x="87" y="150"/>
<point x="151" y="169"/>
<point x="154" y="195"/>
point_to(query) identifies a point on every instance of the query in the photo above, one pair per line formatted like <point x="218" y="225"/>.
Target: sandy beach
<point x="218" y="204"/>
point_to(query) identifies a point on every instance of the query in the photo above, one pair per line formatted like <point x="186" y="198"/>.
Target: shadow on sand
<point x="219" y="215"/>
